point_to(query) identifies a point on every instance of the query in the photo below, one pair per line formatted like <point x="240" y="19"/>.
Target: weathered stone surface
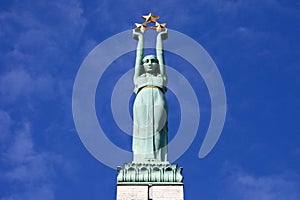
<point x="131" y="192"/>
<point x="166" y="192"/>
<point x="150" y="172"/>
<point x="153" y="192"/>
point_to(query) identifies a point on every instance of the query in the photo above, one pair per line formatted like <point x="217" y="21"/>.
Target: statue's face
<point x="150" y="64"/>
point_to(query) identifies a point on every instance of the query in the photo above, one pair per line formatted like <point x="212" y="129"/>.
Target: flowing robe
<point x="150" y="120"/>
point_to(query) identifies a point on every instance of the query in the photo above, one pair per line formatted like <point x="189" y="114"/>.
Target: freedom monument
<point x="150" y="175"/>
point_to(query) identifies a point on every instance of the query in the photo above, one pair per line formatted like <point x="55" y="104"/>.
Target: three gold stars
<point x="148" y="19"/>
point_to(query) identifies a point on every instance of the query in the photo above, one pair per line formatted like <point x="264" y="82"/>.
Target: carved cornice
<point x="150" y="172"/>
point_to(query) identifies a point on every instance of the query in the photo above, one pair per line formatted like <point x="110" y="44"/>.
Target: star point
<point x="141" y="27"/>
<point x="150" y="18"/>
<point x="159" y="27"/>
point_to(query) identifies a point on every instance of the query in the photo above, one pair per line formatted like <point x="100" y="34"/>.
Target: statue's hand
<point x="163" y="34"/>
<point x="136" y="35"/>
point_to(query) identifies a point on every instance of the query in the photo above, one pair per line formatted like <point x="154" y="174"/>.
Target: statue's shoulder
<point x="149" y="80"/>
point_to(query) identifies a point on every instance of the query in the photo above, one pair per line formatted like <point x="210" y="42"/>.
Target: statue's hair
<point x="147" y="56"/>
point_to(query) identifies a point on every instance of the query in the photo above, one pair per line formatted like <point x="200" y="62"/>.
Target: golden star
<point x="159" y="27"/>
<point x="150" y="18"/>
<point x="141" y="27"/>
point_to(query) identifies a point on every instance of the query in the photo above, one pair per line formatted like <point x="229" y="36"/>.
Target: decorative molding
<point x="149" y="172"/>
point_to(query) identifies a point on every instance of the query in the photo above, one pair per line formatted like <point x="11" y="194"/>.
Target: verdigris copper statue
<point x="150" y="110"/>
<point x="150" y="115"/>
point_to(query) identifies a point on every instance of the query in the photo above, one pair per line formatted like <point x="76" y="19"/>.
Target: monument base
<point x="127" y="191"/>
<point x="152" y="172"/>
<point x="153" y="180"/>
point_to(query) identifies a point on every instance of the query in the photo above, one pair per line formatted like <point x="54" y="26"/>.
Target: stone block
<point x="150" y="192"/>
<point x="132" y="192"/>
<point x="166" y="192"/>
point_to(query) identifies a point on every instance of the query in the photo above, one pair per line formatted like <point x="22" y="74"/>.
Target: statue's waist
<point x="151" y="86"/>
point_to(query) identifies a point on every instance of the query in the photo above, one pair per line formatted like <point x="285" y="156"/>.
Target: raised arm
<point x="160" y="53"/>
<point x="139" y="53"/>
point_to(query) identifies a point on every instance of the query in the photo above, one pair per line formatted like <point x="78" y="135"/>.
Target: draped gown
<point x="150" y="119"/>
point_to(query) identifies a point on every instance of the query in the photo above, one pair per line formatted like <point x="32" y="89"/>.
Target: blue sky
<point x="255" y="45"/>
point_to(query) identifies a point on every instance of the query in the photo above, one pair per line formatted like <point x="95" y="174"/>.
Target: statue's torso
<point x="143" y="80"/>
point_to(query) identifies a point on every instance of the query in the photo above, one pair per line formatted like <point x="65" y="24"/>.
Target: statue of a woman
<point x="150" y="111"/>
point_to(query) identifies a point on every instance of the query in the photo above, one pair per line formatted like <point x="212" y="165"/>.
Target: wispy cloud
<point x="15" y="83"/>
<point x="36" y="41"/>
<point x="19" y="83"/>
<point x="239" y="184"/>
<point x="5" y="123"/>
<point x="40" y="34"/>
<point x="237" y="7"/>
<point x="26" y="172"/>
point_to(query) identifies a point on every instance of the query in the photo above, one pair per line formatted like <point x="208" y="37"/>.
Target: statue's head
<point x="150" y="64"/>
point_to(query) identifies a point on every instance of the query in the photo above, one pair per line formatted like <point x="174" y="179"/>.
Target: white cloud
<point x="88" y="46"/>
<point x="245" y="186"/>
<point x="5" y="123"/>
<point x="26" y="172"/>
<point x="21" y="147"/>
<point x="38" y="35"/>
<point x="19" y="83"/>
<point x="236" y="7"/>
<point x="15" y="83"/>
<point x="39" y="192"/>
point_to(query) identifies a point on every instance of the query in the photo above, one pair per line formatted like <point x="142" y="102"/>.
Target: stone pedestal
<point x="150" y="192"/>
<point x="150" y="181"/>
<point x="130" y="192"/>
